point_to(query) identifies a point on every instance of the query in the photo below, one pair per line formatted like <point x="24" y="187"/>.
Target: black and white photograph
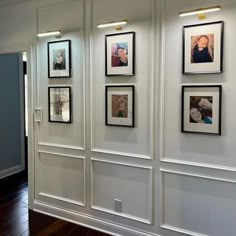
<point x="59" y="59"/>
<point x="59" y="104"/>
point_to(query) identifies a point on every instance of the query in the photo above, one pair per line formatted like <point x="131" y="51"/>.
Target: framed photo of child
<point x="201" y="109"/>
<point x="59" y="59"/>
<point x="203" y="48"/>
<point x="120" y="105"/>
<point x="119" y="54"/>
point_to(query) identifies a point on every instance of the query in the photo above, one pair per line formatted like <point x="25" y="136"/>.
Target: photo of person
<point x="120" y="106"/>
<point x="119" y="54"/>
<point x="59" y="59"/>
<point x="200" y="109"/>
<point x="59" y="102"/>
<point x="202" y="48"/>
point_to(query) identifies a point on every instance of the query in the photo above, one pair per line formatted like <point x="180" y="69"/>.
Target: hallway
<point x="16" y="220"/>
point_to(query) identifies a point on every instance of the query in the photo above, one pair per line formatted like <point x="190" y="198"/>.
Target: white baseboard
<point x="10" y="171"/>
<point x="89" y="221"/>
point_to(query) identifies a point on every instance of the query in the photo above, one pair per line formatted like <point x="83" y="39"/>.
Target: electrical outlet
<point x="118" y="205"/>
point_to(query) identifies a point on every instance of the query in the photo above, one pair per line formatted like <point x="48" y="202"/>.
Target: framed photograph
<point x="120" y="105"/>
<point x="119" y="53"/>
<point x="203" y="48"/>
<point x="59" y="104"/>
<point x="201" y="109"/>
<point x="59" y="59"/>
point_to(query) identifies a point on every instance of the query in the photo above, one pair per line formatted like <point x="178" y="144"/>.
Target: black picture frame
<point x="203" y="48"/>
<point x="59" y="104"/>
<point x="120" y="54"/>
<point x="59" y="59"/>
<point x="119" y="105"/>
<point x="201" y="109"/>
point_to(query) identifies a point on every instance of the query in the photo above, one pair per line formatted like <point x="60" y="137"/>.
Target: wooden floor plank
<point x="17" y="220"/>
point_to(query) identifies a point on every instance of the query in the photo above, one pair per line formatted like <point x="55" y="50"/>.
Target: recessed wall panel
<point x="199" y="205"/>
<point x="61" y="177"/>
<point x="62" y="133"/>
<point x="135" y="141"/>
<point x="130" y="185"/>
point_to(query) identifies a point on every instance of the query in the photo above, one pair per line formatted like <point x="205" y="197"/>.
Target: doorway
<point x="14" y="144"/>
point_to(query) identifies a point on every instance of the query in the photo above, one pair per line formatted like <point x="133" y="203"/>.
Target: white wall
<point x="170" y="183"/>
<point x="198" y="170"/>
<point x="12" y="122"/>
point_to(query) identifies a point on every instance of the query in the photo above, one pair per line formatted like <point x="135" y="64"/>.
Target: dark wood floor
<point x="16" y="220"/>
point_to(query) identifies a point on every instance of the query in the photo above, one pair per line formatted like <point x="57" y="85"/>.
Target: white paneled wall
<point x="166" y="182"/>
<point x="67" y="173"/>
<point x="197" y="196"/>
<point x="123" y="180"/>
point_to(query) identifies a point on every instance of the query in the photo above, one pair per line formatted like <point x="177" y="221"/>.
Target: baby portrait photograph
<point x="202" y="48"/>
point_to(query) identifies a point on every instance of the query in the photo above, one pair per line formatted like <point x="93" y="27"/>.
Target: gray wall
<point x="10" y="143"/>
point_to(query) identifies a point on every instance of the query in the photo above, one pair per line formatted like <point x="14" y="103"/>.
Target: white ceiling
<point x="9" y="2"/>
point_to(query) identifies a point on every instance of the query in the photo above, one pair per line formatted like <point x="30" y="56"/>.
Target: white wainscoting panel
<point x="135" y="142"/>
<point x="51" y="133"/>
<point x="130" y="184"/>
<point x="197" y="206"/>
<point x="61" y="177"/>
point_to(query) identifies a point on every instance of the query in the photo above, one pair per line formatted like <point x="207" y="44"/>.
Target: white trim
<point x="120" y="84"/>
<point x="89" y="221"/>
<point x="60" y="154"/>
<point x="61" y="146"/>
<point x="105" y="151"/>
<point x="31" y="77"/>
<point x="84" y="85"/>
<point x="161" y="122"/>
<point x="11" y="171"/>
<point x="67" y="200"/>
<point x="121" y="215"/>
<point x="151" y="190"/>
<point x="121" y="163"/>
<point x="197" y="176"/>
<point x="66" y="156"/>
<point x="196" y="164"/>
<point x="162" y="80"/>
<point x="22" y="110"/>
<point x="151" y="86"/>
<point x="182" y="231"/>
<point x="195" y="84"/>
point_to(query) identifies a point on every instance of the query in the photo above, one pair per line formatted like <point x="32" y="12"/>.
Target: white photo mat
<point x="203" y="29"/>
<point x="59" y="46"/>
<point x="120" y="38"/>
<point x="213" y="92"/>
<point x="120" y="91"/>
<point x="59" y="104"/>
